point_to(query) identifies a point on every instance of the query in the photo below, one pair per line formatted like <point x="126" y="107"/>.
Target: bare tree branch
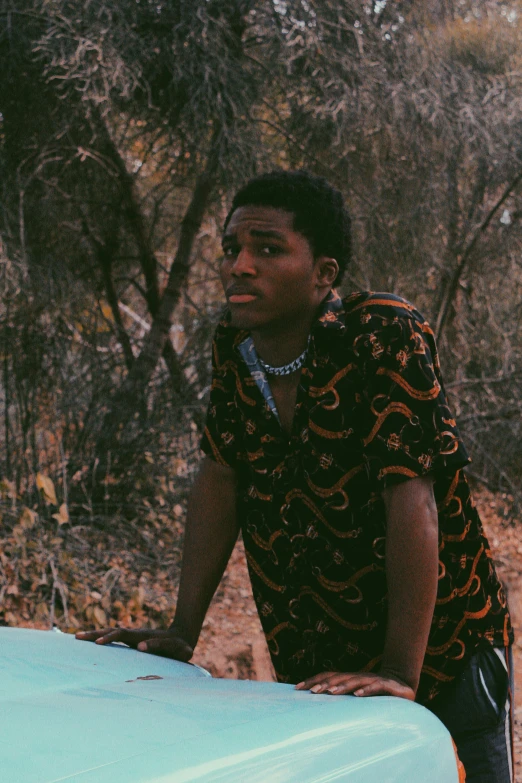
<point x="453" y="283"/>
<point x="126" y="400"/>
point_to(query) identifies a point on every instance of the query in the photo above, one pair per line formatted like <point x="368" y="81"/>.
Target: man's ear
<point x="327" y="270"/>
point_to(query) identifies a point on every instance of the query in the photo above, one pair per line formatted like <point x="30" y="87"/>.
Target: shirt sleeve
<point x="219" y="440"/>
<point x="407" y="429"/>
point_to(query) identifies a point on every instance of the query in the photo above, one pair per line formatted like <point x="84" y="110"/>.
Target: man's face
<point x="268" y="272"/>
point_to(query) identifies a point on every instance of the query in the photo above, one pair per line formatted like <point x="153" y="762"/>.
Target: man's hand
<point x="169" y="643"/>
<point x="358" y="683"/>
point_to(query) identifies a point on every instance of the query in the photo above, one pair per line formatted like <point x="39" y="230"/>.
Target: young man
<point x="330" y="445"/>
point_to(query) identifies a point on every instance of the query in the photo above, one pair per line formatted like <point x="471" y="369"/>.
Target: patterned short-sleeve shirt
<point x="370" y="412"/>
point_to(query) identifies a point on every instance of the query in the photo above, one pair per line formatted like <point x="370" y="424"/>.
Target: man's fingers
<point x="108" y="635"/>
<point x="165" y="643"/>
<point x="334" y="684"/>
<point x="375" y="688"/>
<point x="114" y="635"/>
<point x="372" y="686"/>
<point x="355" y="684"/>
<point x="311" y="682"/>
<point x="341" y="684"/>
<point x="386" y="687"/>
<point x="169" y="648"/>
<point x="91" y="636"/>
<point x="323" y="683"/>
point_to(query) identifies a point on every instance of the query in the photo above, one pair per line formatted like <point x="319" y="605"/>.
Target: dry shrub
<point x="487" y="45"/>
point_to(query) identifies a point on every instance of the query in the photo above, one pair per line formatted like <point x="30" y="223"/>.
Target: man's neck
<point x="278" y="347"/>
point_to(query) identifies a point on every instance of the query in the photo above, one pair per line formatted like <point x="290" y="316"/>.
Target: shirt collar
<point x="331" y="315"/>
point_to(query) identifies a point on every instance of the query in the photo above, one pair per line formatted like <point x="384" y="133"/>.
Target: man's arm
<point x="210" y="534"/>
<point x="412" y="575"/>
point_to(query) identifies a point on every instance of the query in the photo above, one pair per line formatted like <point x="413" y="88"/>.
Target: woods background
<point x="125" y="127"/>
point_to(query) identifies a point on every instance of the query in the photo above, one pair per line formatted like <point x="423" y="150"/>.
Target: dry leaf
<point x="99" y="615"/>
<point x="45" y="484"/>
<point x="27" y="518"/>
<point x="62" y="517"/>
<point x="7" y="489"/>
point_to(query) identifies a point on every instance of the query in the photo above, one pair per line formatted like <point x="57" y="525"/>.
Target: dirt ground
<point x="232" y="643"/>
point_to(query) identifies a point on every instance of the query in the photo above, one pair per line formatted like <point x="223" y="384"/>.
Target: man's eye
<point x="230" y="251"/>
<point x="270" y="250"/>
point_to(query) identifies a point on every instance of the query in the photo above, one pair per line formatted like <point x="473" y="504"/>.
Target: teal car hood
<point x="76" y="711"/>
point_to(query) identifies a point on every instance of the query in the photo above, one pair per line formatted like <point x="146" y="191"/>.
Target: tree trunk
<point x="146" y="256"/>
<point x="127" y="399"/>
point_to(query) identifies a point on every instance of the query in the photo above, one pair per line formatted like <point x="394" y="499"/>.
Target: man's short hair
<point x="318" y="209"/>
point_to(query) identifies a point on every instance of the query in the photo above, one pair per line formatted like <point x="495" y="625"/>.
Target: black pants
<point x="477" y="711"/>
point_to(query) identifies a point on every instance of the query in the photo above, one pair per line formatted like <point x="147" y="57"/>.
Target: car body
<point x="77" y="711"/>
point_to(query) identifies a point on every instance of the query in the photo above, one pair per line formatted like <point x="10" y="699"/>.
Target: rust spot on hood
<point x="150" y="677"/>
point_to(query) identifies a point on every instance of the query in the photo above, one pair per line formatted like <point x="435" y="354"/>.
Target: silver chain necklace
<point x="286" y="369"/>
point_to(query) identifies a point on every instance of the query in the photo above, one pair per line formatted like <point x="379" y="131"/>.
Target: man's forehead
<point x="261" y="221"/>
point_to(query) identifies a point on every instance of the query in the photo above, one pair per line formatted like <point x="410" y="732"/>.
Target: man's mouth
<point x="241" y="298"/>
<point x="237" y="294"/>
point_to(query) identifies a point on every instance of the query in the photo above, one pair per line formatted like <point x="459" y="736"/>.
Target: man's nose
<point x="244" y="264"/>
